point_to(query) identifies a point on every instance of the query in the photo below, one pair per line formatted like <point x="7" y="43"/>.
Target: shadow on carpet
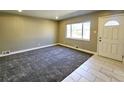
<point x="51" y="64"/>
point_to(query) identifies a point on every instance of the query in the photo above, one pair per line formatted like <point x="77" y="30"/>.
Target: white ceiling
<point x="51" y="14"/>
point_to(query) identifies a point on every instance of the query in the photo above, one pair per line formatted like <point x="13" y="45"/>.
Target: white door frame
<point x="122" y="14"/>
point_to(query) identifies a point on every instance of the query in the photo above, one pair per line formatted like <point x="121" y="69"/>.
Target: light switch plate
<point x="94" y="31"/>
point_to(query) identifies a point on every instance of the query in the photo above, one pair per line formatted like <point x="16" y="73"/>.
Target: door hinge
<point x="122" y="57"/>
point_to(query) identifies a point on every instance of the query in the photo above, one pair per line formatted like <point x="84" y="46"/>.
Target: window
<point x="86" y="31"/>
<point x="78" y="31"/>
<point x="112" y="23"/>
<point x="68" y="28"/>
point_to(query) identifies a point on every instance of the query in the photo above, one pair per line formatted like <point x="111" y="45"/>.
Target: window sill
<point x="78" y="39"/>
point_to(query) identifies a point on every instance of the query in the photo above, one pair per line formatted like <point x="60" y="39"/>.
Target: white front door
<point x="111" y="36"/>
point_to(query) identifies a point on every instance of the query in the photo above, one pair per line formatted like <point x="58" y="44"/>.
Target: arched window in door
<point x="112" y="23"/>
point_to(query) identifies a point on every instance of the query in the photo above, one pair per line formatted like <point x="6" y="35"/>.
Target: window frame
<point x="82" y="31"/>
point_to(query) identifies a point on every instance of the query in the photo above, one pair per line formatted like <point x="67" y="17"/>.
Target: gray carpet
<point x="50" y="64"/>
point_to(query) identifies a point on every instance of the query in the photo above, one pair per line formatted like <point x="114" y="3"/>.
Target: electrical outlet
<point x="76" y="46"/>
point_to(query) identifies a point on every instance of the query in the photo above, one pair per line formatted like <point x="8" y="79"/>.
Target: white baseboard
<point x="83" y="50"/>
<point x="25" y="50"/>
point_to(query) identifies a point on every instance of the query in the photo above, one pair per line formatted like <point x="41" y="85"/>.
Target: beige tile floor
<point x="98" y="69"/>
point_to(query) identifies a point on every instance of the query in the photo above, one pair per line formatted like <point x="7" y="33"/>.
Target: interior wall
<point x="87" y="45"/>
<point x="22" y="32"/>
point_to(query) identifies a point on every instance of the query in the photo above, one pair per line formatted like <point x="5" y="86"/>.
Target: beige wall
<point x="87" y="45"/>
<point x="21" y="32"/>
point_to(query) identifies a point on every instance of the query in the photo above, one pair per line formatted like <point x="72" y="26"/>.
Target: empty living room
<point x="61" y="46"/>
